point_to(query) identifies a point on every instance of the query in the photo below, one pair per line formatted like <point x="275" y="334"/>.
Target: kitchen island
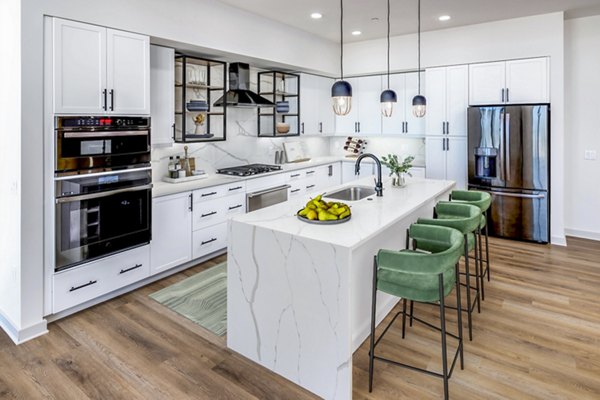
<point x="299" y="295"/>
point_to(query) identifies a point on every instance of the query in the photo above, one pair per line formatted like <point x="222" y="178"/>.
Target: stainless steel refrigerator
<point x="509" y="157"/>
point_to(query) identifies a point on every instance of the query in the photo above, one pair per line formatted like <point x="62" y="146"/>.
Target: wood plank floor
<point x="537" y="337"/>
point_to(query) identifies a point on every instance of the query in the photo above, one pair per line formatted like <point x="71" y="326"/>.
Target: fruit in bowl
<point x="318" y="210"/>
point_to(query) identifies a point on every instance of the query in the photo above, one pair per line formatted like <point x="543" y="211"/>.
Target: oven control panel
<point x="102" y="122"/>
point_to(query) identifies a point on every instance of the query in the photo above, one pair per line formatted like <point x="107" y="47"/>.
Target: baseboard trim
<point x="583" y="234"/>
<point x="559" y="240"/>
<point x="19" y="336"/>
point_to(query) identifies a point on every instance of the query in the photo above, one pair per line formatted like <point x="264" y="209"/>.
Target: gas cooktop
<point x="251" y="169"/>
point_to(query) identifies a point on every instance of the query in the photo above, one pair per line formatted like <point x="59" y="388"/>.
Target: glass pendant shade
<point x="388" y="98"/>
<point x="419" y="106"/>
<point x="341" y="97"/>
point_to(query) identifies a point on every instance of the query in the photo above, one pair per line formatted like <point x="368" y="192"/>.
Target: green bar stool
<point x="483" y="200"/>
<point x="466" y="219"/>
<point x="427" y="275"/>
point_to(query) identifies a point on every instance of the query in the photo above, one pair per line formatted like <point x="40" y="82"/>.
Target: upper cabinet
<point x="447" y="101"/>
<point x="316" y="113"/>
<point x="509" y="82"/>
<point x="365" y="116"/>
<point x="402" y="120"/>
<point x="162" y="94"/>
<point x="99" y="71"/>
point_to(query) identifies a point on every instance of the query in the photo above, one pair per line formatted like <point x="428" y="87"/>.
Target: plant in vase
<point x="398" y="169"/>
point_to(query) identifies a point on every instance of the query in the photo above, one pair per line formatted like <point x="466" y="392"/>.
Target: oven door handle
<point x="70" y="199"/>
<point x="94" y="174"/>
<point x="271" y="190"/>
<point x="93" y="134"/>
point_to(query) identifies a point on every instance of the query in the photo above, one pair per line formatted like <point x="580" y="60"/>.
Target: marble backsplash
<point x="241" y="147"/>
<point x="381" y="146"/>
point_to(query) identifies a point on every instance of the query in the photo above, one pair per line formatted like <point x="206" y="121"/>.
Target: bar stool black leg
<point x="477" y="275"/>
<point x="468" y="275"/>
<point x="487" y="252"/>
<point x="443" y="326"/>
<point x="412" y="303"/>
<point x="479" y="234"/>
<point x="459" y="317"/>
<point x="373" y="309"/>
<point x="403" y="318"/>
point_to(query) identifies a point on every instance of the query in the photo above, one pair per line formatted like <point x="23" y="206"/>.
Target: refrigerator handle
<point x="507" y="145"/>
<point x="502" y="149"/>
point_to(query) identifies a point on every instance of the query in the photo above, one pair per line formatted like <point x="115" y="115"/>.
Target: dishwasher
<point x="266" y="197"/>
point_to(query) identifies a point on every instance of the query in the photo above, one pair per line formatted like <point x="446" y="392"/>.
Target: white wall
<point x="10" y="179"/>
<point x="541" y="35"/>
<point x="582" y="128"/>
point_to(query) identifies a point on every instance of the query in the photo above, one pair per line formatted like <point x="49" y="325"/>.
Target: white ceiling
<point x="358" y="14"/>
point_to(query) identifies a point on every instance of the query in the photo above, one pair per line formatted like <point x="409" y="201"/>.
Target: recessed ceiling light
<point x="356" y="33"/>
<point x="316" y="15"/>
<point x="444" y="18"/>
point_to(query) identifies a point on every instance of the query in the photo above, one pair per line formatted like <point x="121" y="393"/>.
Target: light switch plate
<point x="590" y="155"/>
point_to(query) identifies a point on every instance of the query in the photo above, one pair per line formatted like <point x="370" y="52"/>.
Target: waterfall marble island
<point x="299" y="294"/>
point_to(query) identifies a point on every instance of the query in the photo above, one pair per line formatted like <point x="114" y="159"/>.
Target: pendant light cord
<point x="419" y="43"/>
<point x="342" y="39"/>
<point x="388" y="44"/>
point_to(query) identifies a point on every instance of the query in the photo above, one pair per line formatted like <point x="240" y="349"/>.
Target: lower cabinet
<point x="209" y="240"/>
<point x="80" y="284"/>
<point x="171" y="231"/>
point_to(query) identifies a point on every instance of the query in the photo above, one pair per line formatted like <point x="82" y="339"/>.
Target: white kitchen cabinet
<point x="99" y="71"/>
<point x="446" y="158"/>
<point x="162" y="94"/>
<point x="527" y="81"/>
<point x="171" y="243"/>
<point x="364" y="118"/>
<point x="447" y="101"/>
<point x="79" y="70"/>
<point x="509" y="82"/>
<point x="317" y="116"/>
<point x="402" y="120"/>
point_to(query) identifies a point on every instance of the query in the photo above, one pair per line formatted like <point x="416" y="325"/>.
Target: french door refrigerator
<point x="509" y="157"/>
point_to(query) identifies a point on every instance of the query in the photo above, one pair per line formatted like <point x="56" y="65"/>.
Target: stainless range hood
<point x="239" y="93"/>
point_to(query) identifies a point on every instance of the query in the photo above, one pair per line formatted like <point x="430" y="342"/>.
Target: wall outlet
<point x="590" y="155"/>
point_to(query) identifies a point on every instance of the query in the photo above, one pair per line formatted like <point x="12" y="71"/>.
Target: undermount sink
<point x="352" y="193"/>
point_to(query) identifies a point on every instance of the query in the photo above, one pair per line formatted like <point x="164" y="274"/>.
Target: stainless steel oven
<point x="98" y="214"/>
<point x="96" y="144"/>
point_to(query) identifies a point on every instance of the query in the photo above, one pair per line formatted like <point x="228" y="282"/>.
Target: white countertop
<point x="368" y="216"/>
<point x="162" y="188"/>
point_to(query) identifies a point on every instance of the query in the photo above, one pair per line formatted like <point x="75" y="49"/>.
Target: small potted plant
<point x="398" y="170"/>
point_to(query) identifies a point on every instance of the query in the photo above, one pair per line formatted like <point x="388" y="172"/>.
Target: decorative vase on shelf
<point x="399" y="179"/>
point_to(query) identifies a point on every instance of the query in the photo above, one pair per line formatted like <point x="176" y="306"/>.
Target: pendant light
<point x="341" y="91"/>
<point x="419" y="102"/>
<point x="388" y="96"/>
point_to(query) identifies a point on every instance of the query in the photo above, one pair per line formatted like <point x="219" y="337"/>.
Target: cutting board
<point x="294" y="152"/>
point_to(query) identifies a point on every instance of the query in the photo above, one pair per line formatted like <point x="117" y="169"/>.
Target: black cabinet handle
<point x="443" y="127"/>
<point x="320" y="127"/>
<point x="209" y="194"/>
<point x="208" y="241"/>
<point x="503" y="95"/>
<point x="310" y="186"/>
<point x="310" y="172"/>
<point x="295" y="190"/>
<point x="209" y="214"/>
<point x="173" y="126"/>
<point x="191" y="208"/>
<point x="90" y="283"/>
<point x="359" y="127"/>
<point x="507" y="96"/>
<point x="234" y="207"/>
<point x="302" y="127"/>
<point x="447" y="144"/>
<point x="105" y="99"/>
<point x="136" y="266"/>
<point x="355" y="127"/>
<point x="294" y="175"/>
<point x="444" y="144"/>
<point x="330" y="173"/>
<point x="235" y="188"/>
<point x="112" y="100"/>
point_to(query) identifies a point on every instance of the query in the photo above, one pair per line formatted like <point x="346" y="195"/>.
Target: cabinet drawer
<point x="208" y="240"/>
<point x="212" y="212"/>
<point x="294" y="176"/>
<point x="84" y="283"/>
<point x="214" y="192"/>
<point x="297" y="189"/>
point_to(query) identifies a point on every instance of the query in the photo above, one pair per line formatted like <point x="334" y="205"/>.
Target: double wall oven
<point x="103" y="187"/>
